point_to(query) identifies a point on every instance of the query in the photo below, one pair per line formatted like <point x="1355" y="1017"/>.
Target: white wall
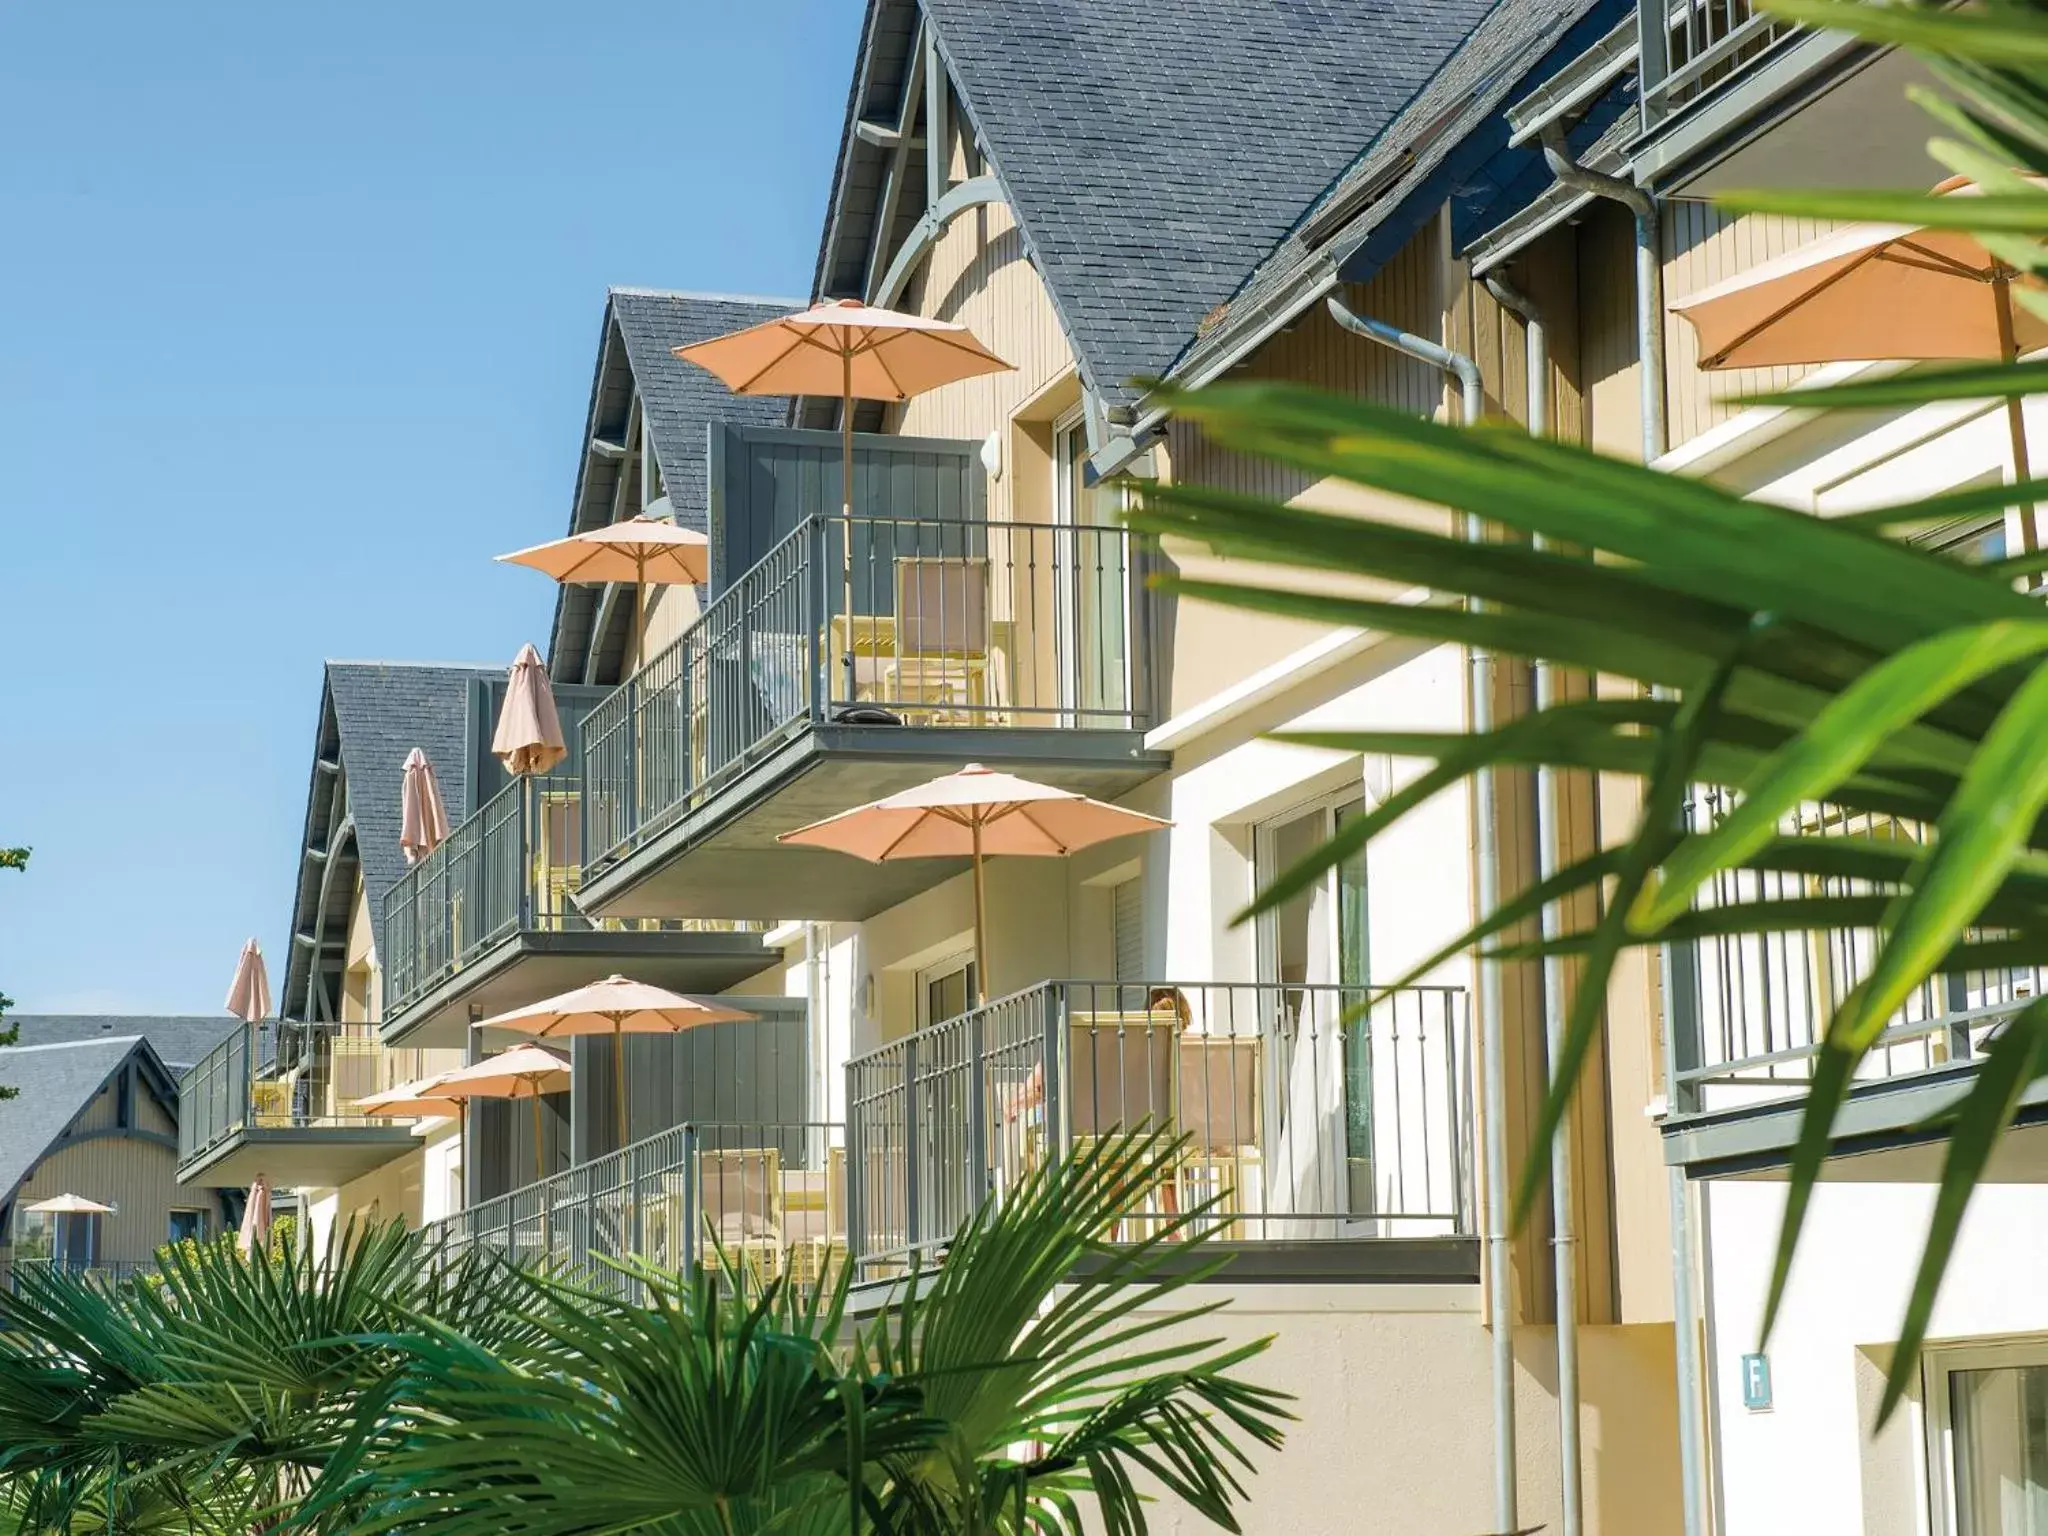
<point x="1807" y="1465"/>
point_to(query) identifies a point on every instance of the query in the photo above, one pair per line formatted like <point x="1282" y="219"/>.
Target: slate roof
<point x="1155" y="154"/>
<point x="179" y="1040"/>
<point x="56" y="1083"/>
<point x="1432" y="151"/>
<point x="681" y="400"/>
<point x="378" y="712"/>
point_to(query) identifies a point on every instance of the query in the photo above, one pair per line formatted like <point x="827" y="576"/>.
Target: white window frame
<point x="1936" y="1440"/>
<point x="937" y="971"/>
<point x="1264" y="868"/>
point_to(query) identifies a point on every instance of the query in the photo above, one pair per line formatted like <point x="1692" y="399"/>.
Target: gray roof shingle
<point x="382" y="710"/>
<point x="55" y="1083"/>
<point x="680" y="398"/>
<point x="1155" y="155"/>
<point x="179" y="1039"/>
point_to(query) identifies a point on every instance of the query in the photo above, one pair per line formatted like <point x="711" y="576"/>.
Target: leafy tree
<point x="1783" y="658"/>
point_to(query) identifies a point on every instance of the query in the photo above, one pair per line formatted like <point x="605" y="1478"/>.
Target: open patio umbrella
<point x="422" y="815"/>
<point x="418" y="1099"/>
<point x="525" y="1071"/>
<point x="643" y="550"/>
<point x="617" y="1007"/>
<point x="975" y="813"/>
<point x="69" y="1205"/>
<point x="528" y="738"/>
<point x="255" y="1216"/>
<point x="249" y="993"/>
<point x="1874" y="291"/>
<point x="845" y="348"/>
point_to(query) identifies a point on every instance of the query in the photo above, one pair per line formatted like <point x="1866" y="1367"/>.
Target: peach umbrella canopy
<point x="845" y="348"/>
<point x="528" y="738"/>
<point x="249" y="993"/>
<point x="422" y="814"/>
<point x="974" y="813"/>
<point x="524" y="1071"/>
<point x="642" y="550"/>
<point x="1875" y="291"/>
<point x="420" y="1097"/>
<point x="615" y="1006"/>
<point x="69" y="1205"/>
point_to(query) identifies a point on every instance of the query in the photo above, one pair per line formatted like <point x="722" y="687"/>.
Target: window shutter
<point x="1127" y="919"/>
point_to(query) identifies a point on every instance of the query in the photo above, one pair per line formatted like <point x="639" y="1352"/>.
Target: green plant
<point x="1782" y="657"/>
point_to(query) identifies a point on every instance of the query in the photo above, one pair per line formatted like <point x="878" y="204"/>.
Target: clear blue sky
<point x="298" y="311"/>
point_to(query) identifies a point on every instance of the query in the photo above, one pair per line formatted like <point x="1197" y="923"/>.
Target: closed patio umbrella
<point x="645" y="551"/>
<point x="617" y="1007"/>
<point x="249" y="993"/>
<point x="974" y="813"/>
<point x="849" y="349"/>
<point x="528" y="738"/>
<point x="255" y="1216"/>
<point x="1874" y="291"/>
<point x="523" y="1072"/>
<point x="422" y="815"/>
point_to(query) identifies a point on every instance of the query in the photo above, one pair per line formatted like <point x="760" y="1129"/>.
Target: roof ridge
<point x="72" y="1045"/>
<point x="437" y="666"/>
<point x="630" y="291"/>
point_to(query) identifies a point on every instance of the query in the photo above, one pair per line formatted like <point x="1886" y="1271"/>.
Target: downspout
<point x="1549" y="858"/>
<point x="1492" y="1028"/>
<point x="1649" y="275"/>
<point x="1650" y="356"/>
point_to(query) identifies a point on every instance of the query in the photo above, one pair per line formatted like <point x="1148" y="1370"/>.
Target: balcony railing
<point x="512" y="867"/>
<point x="1707" y="44"/>
<point x="317" y="1074"/>
<point x="1301" y="1121"/>
<point x="13" y="1269"/>
<point x="909" y="621"/>
<point x="771" y="1197"/>
<point x="1753" y="1008"/>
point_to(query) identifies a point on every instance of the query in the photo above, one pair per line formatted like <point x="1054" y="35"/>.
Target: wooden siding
<point x="978" y="274"/>
<point x="137" y="1178"/>
<point x="1702" y="246"/>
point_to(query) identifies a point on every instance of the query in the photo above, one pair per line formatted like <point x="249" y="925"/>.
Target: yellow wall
<point x="138" y="1178"/>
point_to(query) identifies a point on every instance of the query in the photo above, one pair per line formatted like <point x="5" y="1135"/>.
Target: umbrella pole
<point x="980" y="926"/>
<point x="2015" y="410"/>
<point x="619" y="1076"/>
<point x="846" y="508"/>
<point x="539" y="1172"/>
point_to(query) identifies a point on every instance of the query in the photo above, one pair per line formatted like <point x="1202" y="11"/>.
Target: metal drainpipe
<point x="1650" y="356"/>
<point x="1564" y="1228"/>
<point x="1649" y="275"/>
<point x="1492" y="1030"/>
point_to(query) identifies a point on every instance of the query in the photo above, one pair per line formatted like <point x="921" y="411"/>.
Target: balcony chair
<point x="1217" y="1091"/>
<point x="1121" y="1076"/>
<point x="944" y="659"/>
<point x="814" y="1219"/>
<point x="739" y="1191"/>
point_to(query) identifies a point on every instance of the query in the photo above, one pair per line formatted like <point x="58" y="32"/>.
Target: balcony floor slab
<point x="294" y="1157"/>
<point x="721" y="858"/>
<point x="527" y="967"/>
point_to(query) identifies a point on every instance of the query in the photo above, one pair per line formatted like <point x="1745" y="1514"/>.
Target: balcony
<point x="770" y="1196"/>
<point x="292" y="1117"/>
<point x="1752" y="1010"/>
<point x="1708" y="44"/>
<point x="489" y="921"/>
<point x="857" y="657"/>
<point x="1330" y="1146"/>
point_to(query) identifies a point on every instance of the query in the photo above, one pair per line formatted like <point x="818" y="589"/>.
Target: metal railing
<point x="113" y="1271"/>
<point x="1707" y="44"/>
<point x="770" y="1196"/>
<point x="904" y="621"/>
<point x="317" y="1074"/>
<point x="1301" y="1121"/>
<point x="1753" y="1008"/>
<point x="512" y="867"/>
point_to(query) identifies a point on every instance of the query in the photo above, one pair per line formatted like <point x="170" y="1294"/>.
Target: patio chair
<point x="1217" y="1090"/>
<point x="943" y="641"/>
<point x="1121" y="1077"/>
<point x="739" y="1190"/>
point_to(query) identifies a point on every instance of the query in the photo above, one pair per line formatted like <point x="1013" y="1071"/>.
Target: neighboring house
<point x="96" y="1115"/>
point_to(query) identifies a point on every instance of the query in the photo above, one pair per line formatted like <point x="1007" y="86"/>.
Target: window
<point x="1093" y="640"/>
<point x="1988" y="1432"/>
<point x="945" y="991"/>
<point x="1127" y="929"/>
<point x="188" y="1226"/>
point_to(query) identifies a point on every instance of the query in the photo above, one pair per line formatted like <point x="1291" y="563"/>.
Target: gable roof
<point x="56" y="1084"/>
<point x="179" y="1039"/>
<point x="372" y="713"/>
<point x="634" y="356"/>
<point x="1448" y="144"/>
<point x="1153" y="162"/>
